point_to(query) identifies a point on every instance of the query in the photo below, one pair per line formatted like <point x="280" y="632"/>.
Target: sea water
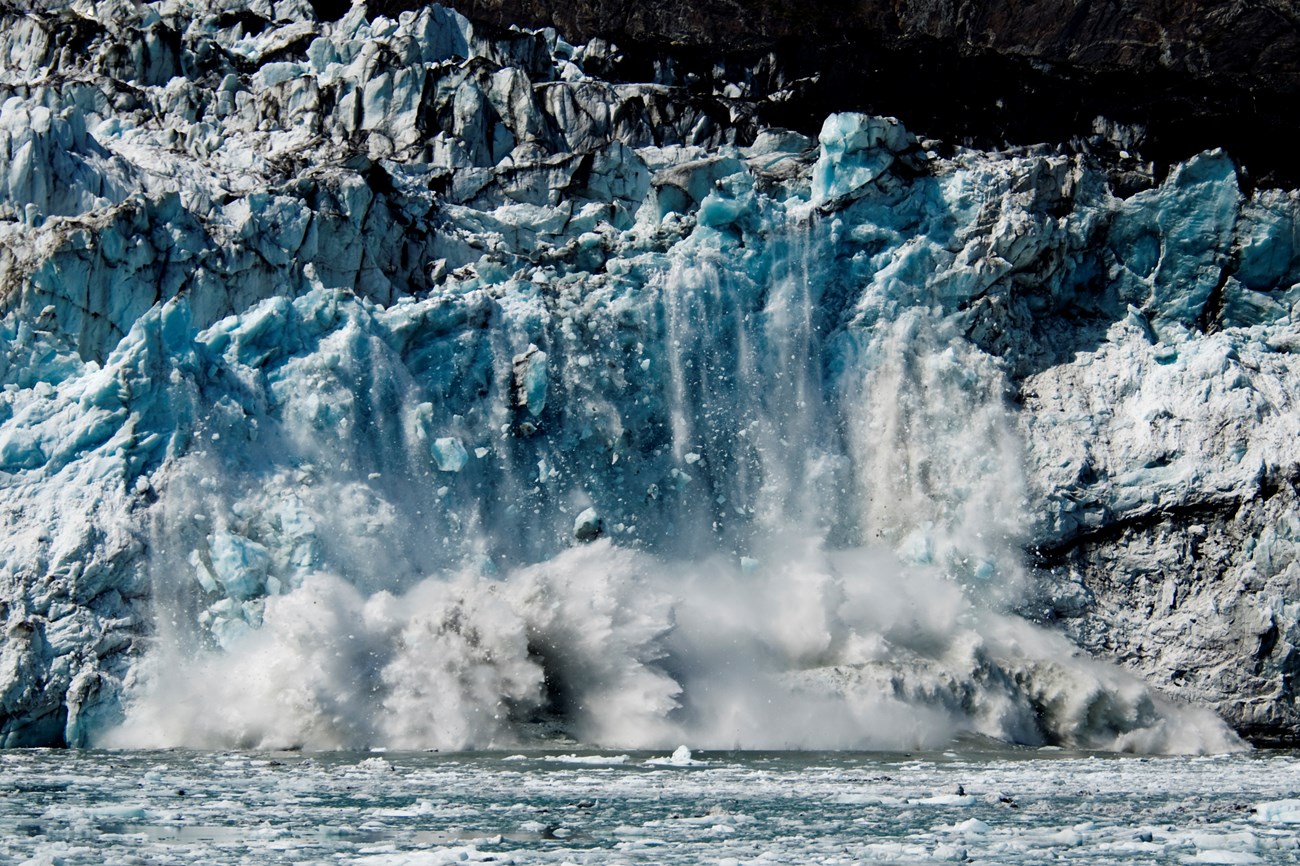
<point x="978" y="805"/>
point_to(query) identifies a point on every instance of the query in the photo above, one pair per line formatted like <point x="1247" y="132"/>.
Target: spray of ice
<point x="717" y="509"/>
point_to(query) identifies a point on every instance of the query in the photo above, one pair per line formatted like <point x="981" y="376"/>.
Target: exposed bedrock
<point x="1180" y="76"/>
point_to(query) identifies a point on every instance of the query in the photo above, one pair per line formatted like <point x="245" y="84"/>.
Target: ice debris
<point x="449" y="454"/>
<point x="1278" y="812"/>
<point x="681" y="757"/>
<point x="588" y="525"/>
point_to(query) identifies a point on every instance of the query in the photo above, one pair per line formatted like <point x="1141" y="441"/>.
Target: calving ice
<point x="413" y="387"/>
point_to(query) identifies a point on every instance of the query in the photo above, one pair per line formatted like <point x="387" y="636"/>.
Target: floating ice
<point x="681" y="757"/>
<point x="593" y="760"/>
<point x="1243" y="857"/>
<point x="1278" y="812"/>
<point x="796" y="807"/>
<point x="376" y="765"/>
<point x="972" y="826"/>
<point x="944" y="800"/>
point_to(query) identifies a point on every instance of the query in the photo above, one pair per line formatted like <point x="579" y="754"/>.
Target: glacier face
<point x="381" y="382"/>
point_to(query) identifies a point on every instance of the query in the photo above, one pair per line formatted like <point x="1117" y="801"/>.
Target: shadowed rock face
<point x="1200" y="37"/>
<point x="1180" y="76"/>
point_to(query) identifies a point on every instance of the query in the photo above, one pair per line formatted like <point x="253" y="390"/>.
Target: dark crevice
<point x="330" y="10"/>
<point x="1269" y="736"/>
<point x="1057" y="554"/>
<point x="252" y="23"/>
<point x="1211" y="316"/>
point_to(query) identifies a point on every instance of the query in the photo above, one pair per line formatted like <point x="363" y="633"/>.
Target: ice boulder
<point x="1171" y="244"/>
<point x="1278" y="812"/>
<point x="530" y="380"/>
<point x="588" y="525"/>
<point x="239" y="564"/>
<point x="855" y="150"/>
<point x="449" y="454"/>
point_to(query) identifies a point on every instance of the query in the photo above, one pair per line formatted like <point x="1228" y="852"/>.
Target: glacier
<point x="400" y="383"/>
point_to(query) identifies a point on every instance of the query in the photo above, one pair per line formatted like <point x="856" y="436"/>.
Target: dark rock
<point x="1179" y="78"/>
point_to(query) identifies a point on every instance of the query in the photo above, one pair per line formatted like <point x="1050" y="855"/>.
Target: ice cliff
<point x="397" y="382"/>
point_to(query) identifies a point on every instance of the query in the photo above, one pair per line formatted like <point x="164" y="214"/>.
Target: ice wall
<point x="380" y="383"/>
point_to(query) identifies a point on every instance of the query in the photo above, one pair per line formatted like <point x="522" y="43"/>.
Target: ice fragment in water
<point x="681" y="757"/>
<point x="1278" y="812"/>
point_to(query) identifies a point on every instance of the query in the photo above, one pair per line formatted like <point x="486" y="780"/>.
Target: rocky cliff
<point x="452" y="368"/>
<point x="1177" y="78"/>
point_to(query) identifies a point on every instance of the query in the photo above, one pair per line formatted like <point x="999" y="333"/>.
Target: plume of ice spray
<point x="439" y="667"/>
<point x="938" y="466"/>
<point x="409" y="584"/>
<point x="622" y="649"/>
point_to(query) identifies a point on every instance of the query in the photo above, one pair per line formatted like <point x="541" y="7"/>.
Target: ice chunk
<point x="855" y="150"/>
<point x="449" y="454"/>
<point x="376" y="765"/>
<point x="20" y="448"/>
<point x="590" y="760"/>
<point x="588" y="526"/>
<point x="1173" y="241"/>
<point x="681" y="757"/>
<point x="717" y="212"/>
<point x="240" y="564"/>
<point x="1223" y="857"/>
<point x="531" y="380"/>
<point x="944" y="800"/>
<point x="1278" y="812"/>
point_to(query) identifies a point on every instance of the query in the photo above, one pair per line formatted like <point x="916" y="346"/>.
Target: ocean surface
<point x="975" y="805"/>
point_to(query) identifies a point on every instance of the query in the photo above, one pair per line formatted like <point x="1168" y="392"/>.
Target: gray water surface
<point x="413" y="809"/>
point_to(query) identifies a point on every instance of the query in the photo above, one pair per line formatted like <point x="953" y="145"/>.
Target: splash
<point x="733" y="507"/>
<point x="614" y="648"/>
